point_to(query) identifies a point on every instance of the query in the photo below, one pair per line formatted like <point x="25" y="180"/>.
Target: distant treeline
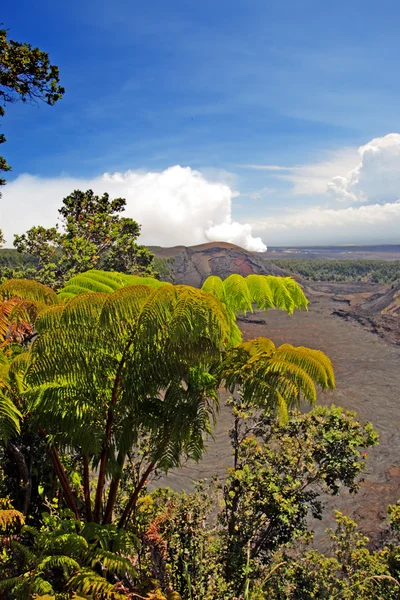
<point x="376" y="271"/>
<point x="12" y="259"/>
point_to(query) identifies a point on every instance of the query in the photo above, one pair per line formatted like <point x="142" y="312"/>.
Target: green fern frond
<point x="214" y="285"/>
<point x="264" y="291"/>
<point x="17" y="585"/>
<point x="9" y="417"/>
<point x="89" y="582"/>
<point x="237" y="295"/>
<point x="277" y="378"/>
<point x="314" y="362"/>
<point x="28" y="290"/>
<point x="29" y="556"/>
<point x="113" y="563"/>
<point x="71" y="544"/>
<point x="282" y="410"/>
<point x="104" y="281"/>
<point x="259" y="346"/>
<point x="58" y="561"/>
<point x="41" y="586"/>
<point x="9" y="517"/>
<point x="260" y="291"/>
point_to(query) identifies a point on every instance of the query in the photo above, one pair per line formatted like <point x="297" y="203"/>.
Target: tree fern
<point x="276" y="379"/>
<point x="140" y="358"/>
<point x="128" y="358"/>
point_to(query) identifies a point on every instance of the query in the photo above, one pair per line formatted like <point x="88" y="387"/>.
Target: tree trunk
<point x="135" y="494"/>
<point x="109" y="423"/>
<point x="19" y="460"/>
<point x="62" y="477"/>
<point x="86" y="489"/>
<point x="112" y="494"/>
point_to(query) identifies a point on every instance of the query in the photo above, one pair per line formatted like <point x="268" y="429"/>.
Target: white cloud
<point x="175" y="206"/>
<point x="372" y="214"/>
<point x="376" y="178"/>
<point x="368" y="174"/>
<point x="236" y="233"/>
<point x="313" y="179"/>
<point x="367" y="224"/>
<point x="367" y="180"/>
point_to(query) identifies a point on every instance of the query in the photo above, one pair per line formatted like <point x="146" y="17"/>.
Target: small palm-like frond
<point x="17" y="585"/>
<point x="314" y="362"/>
<point x="90" y="583"/>
<point x="17" y="318"/>
<point x="215" y="286"/>
<point x="68" y="544"/>
<point x="9" y="414"/>
<point x="261" y="291"/>
<point x="259" y="346"/>
<point x="237" y="295"/>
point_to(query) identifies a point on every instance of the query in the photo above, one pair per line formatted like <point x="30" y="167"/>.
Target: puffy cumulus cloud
<point x="175" y="206"/>
<point x="369" y="185"/>
<point x="377" y="176"/>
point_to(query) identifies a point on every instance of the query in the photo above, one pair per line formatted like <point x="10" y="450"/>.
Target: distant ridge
<point x="193" y="264"/>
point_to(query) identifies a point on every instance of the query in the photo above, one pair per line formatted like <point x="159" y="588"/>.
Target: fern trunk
<point x="134" y="496"/>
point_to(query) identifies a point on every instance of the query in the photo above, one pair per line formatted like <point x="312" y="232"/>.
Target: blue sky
<point x="220" y="87"/>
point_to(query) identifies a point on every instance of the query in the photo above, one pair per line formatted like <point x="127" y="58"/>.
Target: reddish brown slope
<point x="193" y="264"/>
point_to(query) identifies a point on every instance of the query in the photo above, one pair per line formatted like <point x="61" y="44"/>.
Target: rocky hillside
<point x="192" y="265"/>
<point x="385" y="303"/>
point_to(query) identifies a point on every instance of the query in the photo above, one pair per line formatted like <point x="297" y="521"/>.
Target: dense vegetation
<point x="375" y="271"/>
<point x="114" y="380"/>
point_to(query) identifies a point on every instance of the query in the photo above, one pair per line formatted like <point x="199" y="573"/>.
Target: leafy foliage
<point x="26" y="74"/>
<point x="228" y="536"/>
<point x="350" y="570"/>
<point x="21" y="303"/>
<point x="125" y="363"/>
<point x="121" y="378"/>
<point x="93" y="235"/>
<point x="278" y="475"/>
<point x="139" y="367"/>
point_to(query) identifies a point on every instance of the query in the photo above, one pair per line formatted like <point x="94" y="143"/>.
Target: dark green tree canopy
<point x="26" y="74"/>
<point x="93" y="235"/>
